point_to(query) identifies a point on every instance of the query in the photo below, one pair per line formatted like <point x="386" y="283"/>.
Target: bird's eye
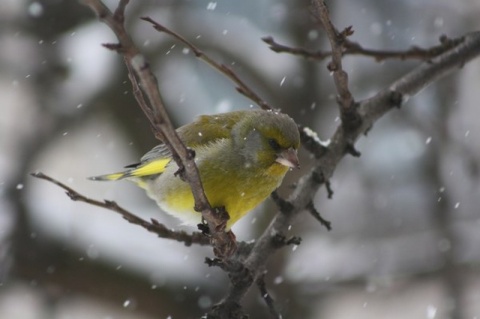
<point x="274" y="144"/>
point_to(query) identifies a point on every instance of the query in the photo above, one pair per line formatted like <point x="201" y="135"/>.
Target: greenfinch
<point x="242" y="157"/>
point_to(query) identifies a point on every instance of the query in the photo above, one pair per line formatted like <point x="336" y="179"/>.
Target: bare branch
<point x="314" y="212"/>
<point x="267" y="297"/>
<point x="280" y="48"/>
<point x="353" y="48"/>
<point x="154" y="226"/>
<point x="348" y="111"/>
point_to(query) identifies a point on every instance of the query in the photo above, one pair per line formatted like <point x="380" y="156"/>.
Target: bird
<point x="242" y="157"/>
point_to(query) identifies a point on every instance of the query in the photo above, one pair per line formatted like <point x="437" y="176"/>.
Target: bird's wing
<point x="209" y="128"/>
<point x="204" y="130"/>
<point x="152" y="163"/>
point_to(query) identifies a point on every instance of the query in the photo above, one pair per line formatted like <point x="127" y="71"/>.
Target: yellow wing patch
<point x="150" y="168"/>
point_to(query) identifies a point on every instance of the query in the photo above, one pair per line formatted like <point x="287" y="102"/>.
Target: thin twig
<point x="280" y="241"/>
<point x="314" y="212"/>
<point x="154" y="226"/>
<point x="414" y="52"/>
<point x="137" y="93"/>
<point x="354" y="48"/>
<point x="281" y="48"/>
<point x="336" y="39"/>
<point x="348" y="112"/>
<point x="267" y="297"/>
<point x="241" y="87"/>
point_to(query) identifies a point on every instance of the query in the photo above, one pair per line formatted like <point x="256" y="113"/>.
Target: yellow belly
<point x="239" y="194"/>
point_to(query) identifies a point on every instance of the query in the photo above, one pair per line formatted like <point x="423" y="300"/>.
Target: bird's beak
<point x="288" y="158"/>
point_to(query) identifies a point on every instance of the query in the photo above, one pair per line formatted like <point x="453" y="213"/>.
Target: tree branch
<point x="354" y="48"/>
<point x="154" y="226"/>
<point x="348" y="110"/>
<point x="314" y="212"/>
<point x="267" y="297"/>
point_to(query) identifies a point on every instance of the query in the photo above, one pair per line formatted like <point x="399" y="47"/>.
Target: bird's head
<point x="266" y="138"/>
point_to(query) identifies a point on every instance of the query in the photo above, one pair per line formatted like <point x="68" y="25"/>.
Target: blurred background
<point x="406" y="219"/>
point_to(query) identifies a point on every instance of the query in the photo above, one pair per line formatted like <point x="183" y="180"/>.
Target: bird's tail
<point x="149" y="168"/>
<point x="110" y="177"/>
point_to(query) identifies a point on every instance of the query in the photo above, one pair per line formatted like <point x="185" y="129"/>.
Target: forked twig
<point x="348" y="111"/>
